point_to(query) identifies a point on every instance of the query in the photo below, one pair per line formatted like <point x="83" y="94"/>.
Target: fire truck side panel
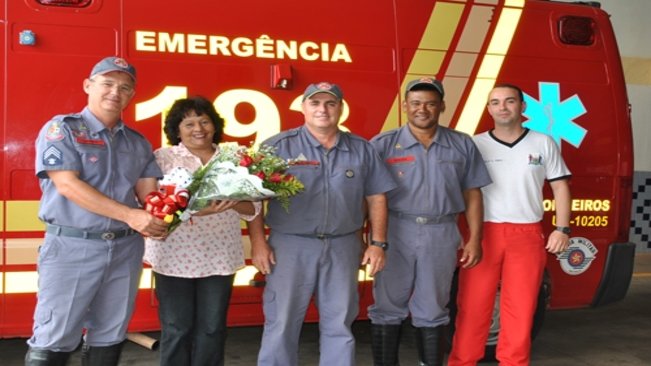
<point x="255" y="64"/>
<point x="588" y="81"/>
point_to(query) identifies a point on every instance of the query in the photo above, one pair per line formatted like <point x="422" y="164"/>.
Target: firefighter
<point x="439" y="173"/>
<point x="519" y="161"/>
<point x="93" y="171"/>
<point x="315" y="246"/>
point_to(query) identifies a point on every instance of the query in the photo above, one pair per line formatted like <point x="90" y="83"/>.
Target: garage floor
<point x="616" y="334"/>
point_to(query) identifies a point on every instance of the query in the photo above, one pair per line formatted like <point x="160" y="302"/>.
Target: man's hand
<point x="557" y="242"/>
<point x="375" y="257"/>
<point x="262" y="256"/>
<point x="146" y="223"/>
<point x="471" y="255"/>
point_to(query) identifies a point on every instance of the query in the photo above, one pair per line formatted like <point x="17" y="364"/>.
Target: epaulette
<point x="386" y="134"/>
<point x="67" y="117"/>
<point x="281" y="136"/>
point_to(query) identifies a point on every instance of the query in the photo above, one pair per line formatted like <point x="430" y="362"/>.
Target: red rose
<point x="260" y="174"/>
<point x="288" y="177"/>
<point x="276" y="177"/>
<point x="245" y="161"/>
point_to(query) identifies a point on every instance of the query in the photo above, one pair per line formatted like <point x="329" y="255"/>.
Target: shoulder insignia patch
<point x="54" y="132"/>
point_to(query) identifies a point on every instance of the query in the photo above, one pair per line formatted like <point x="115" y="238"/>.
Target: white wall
<point x="632" y="24"/>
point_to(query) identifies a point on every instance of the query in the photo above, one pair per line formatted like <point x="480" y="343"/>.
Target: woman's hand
<point x="216" y="207"/>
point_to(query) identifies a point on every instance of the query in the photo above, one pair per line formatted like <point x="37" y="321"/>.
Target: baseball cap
<point x="323" y="87"/>
<point x="109" y="64"/>
<point x="426" y="83"/>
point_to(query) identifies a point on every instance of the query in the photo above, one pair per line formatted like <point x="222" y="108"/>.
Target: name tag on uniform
<point x="86" y="141"/>
<point x="306" y="162"/>
<point x="401" y="159"/>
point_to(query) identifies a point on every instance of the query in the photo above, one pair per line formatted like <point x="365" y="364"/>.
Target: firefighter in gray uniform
<point x="92" y="170"/>
<point x="315" y="247"/>
<point x="439" y="173"/>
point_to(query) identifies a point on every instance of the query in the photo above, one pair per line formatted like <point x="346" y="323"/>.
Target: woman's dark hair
<point x="181" y="108"/>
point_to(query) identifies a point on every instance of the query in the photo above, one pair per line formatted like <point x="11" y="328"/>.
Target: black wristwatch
<point x="564" y="229"/>
<point x="382" y="244"/>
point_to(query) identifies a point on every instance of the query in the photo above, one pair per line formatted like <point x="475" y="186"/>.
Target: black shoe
<point x="42" y="357"/>
<point x="101" y="356"/>
<point x="385" y="340"/>
<point x="430" y="347"/>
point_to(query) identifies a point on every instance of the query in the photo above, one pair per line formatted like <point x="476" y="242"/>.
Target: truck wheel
<point x="494" y="330"/>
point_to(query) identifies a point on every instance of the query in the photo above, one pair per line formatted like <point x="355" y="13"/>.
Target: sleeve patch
<point x="54" y="132"/>
<point x="52" y="156"/>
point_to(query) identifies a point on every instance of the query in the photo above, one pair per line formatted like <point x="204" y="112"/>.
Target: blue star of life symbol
<point x="554" y="117"/>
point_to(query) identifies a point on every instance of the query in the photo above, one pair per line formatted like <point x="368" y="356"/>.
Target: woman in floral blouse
<point x="195" y="265"/>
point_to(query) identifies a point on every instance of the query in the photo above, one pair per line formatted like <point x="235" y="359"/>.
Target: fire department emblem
<point x="578" y="257"/>
<point x="121" y="63"/>
<point x="54" y="132"/>
<point x="324" y="86"/>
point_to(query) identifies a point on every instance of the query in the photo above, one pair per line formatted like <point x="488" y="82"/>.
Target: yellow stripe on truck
<point x="490" y="67"/>
<point x="23" y="216"/>
<point x="431" y="51"/>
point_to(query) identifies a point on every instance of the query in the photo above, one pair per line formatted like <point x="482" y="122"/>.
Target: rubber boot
<point x="385" y="340"/>
<point x="41" y="357"/>
<point x="430" y="347"/>
<point x="101" y="356"/>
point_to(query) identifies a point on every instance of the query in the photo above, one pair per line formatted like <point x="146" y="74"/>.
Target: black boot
<point x="385" y="340"/>
<point x="41" y="357"/>
<point x="101" y="356"/>
<point x="430" y="347"/>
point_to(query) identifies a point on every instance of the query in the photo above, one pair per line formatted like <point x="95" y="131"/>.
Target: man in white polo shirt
<point x="514" y="251"/>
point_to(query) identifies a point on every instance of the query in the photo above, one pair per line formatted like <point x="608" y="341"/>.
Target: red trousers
<point x="514" y="259"/>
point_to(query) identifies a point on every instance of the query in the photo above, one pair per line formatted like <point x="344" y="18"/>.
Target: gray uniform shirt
<point x="110" y="162"/>
<point x="336" y="183"/>
<point x="431" y="181"/>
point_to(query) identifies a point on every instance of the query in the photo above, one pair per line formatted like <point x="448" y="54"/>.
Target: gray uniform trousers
<point x="327" y="268"/>
<point x="417" y="277"/>
<point x="88" y="284"/>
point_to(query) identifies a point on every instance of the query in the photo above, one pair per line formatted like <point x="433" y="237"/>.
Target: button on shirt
<point x="110" y="161"/>
<point x="336" y="183"/>
<point x="206" y="246"/>
<point x="431" y="180"/>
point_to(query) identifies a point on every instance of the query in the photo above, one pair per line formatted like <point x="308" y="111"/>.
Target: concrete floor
<point x="616" y="334"/>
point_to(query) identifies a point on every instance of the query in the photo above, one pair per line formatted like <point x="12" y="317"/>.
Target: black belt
<point x="323" y="236"/>
<point x="78" y="233"/>
<point x="424" y="220"/>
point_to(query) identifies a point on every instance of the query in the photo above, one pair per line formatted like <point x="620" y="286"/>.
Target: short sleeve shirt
<point x="519" y="171"/>
<point x="336" y="181"/>
<point x="204" y="246"/>
<point x="431" y="180"/>
<point x="110" y="161"/>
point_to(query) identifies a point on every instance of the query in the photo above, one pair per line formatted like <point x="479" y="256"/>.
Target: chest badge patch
<point x="535" y="159"/>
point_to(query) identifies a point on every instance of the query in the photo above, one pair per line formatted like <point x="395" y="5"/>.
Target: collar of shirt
<point x="341" y="143"/>
<point x="407" y="140"/>
<point x="95" y="126"/>
<point x="182" y="150"/>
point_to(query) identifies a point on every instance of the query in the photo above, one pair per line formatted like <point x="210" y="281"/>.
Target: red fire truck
<point x="254" y="58"/>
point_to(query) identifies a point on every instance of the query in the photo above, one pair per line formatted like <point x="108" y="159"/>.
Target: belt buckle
<point x="108" y="236"/>
<point x="421" y="220"/>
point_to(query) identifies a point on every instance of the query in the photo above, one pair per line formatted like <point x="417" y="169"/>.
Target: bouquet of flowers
<point x="244" y="174"/>
<point x="236" y="173"/>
